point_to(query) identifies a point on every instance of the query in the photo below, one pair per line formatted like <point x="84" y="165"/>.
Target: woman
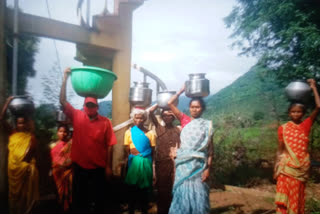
<point x="168" y="140"/>
<point x="22" y="171"/>
<point x="139" y="144"/>
<point x="293" y="161"/>
<point x="193" y="160"/>
<point x="61" y="166"/>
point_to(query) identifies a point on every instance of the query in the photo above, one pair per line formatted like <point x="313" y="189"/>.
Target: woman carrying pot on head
<point x="22" y="172"/>
<point x="62" y="166"/>
<point x="139" y="143"/>
<point x="193" y="159"/>
<point x="293" y="161"/>
<point x="168" y="140"/>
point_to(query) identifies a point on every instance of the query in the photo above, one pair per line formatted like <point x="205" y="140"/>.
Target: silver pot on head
<point x="61" y="117"/>
<point x="140" y="94"/>
<point x="197" y="86"/>
<point x="21" y="105"/>
<point x="298" y="91"/>
<point x="164" y="97"/>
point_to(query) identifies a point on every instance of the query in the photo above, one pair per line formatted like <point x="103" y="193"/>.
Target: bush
<point x="45" y="121"/>
<point x="313" y="206"/>
<point x="258" y="115"/>
<point x="239" y="152"/>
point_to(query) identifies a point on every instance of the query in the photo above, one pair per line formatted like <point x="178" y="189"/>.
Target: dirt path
<point x="259" y="200"/>
<point x="236" y="200"/>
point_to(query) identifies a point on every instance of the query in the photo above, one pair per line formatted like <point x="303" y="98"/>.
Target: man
<point x="91" y="153"/>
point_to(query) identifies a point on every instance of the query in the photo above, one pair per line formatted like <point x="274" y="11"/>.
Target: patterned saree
<point x="62" y="172"/>
<point x="293" y="167"/>
<point x="190" y="194"/>
<point x="22" y="175"/>
<point x="140" y="166"/>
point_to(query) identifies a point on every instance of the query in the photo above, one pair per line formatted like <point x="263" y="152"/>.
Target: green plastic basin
<point x="89" y="81"/>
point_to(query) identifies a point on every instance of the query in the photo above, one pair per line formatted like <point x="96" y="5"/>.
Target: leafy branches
<point x="28" y="47"/>
<point x="284" y="34"/>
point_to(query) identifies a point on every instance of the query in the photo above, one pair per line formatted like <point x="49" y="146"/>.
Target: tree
<point x="27" y="49"/>
<point x="51" y="83"/>
<point x="283" y="34"/>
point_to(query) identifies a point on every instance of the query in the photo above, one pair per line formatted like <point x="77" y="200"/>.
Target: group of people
<point x="180" y="165"/>
<point x="174" y="159"/>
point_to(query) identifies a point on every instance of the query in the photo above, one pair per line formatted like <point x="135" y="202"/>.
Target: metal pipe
<point x="158" y="89"/>
<point x="88" y="12"/>
<point x="15" y="48"/>
<point x="144" y="77"/>
<point x="151" y="75"/>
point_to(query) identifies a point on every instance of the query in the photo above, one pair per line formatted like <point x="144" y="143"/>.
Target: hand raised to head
<point x="312" y="83"/>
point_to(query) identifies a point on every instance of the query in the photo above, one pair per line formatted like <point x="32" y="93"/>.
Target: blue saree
<point x="190" y="194"/>
<point x="140" y="166"/>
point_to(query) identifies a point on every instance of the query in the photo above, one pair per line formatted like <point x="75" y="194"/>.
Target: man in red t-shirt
<point x="91" y="153"/>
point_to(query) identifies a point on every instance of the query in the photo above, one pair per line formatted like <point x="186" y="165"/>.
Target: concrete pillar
<point x="117" y="26"/>
<point x="3" y="95"/>
<point x="120" y="91"/>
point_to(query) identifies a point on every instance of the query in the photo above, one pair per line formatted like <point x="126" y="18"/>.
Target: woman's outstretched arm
<point x="3" y="114"/>
<point x="313" y="86"/>
<point x="172" y="100"/>
<point x="152" y="116"/>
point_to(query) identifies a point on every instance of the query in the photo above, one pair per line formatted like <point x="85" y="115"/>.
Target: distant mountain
<point x="183" y="104"/>
<point x="105" y="108"/>
<point x="254" y="93"/>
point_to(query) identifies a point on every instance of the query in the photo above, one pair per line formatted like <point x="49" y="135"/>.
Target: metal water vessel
<point x="21" y="105"/>
<point x="140" y="94"/>
<point x="298" y="91"/>
<point x="164" y="97"/>
<point x="197" y="85"/>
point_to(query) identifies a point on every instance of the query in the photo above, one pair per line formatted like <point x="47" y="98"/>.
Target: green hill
<point x="246" y="116"/>
<point x="105" y="108"/>
<point x="254" y="95"/>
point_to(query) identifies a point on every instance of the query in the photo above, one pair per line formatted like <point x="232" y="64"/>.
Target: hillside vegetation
<point x="246" y="116"/>
<point x="255" y="95"/>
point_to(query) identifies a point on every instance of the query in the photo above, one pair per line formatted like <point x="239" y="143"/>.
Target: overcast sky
<point x="171" y="38"/>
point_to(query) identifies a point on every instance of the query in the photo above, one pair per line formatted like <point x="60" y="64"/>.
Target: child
<point x="61" y="166"/>
<point x="293" y="162"/>
<point x="22" y="172"/>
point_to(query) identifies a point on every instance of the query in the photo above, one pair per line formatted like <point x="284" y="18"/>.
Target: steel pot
<point x="21" y="105"/>
<point x="197" y="86"/>
<point x="298" y="91"/>
<point x="61" y="117"/>
<point x="140" y="94"/>
<point x="164" y="97"/>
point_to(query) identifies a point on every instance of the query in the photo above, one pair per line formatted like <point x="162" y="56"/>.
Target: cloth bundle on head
<point x="138" y="110"/>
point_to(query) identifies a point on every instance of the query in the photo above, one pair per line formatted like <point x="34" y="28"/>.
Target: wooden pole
<point x="3" y="95"/>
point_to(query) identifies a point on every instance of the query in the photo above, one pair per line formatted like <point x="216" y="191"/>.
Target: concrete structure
<point x="107" y="44"/>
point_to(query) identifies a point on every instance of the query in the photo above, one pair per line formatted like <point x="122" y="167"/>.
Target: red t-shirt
<point x="184" y="119"/>
<point x="90" y="138"/>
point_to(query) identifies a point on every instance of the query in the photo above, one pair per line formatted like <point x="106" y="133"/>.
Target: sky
<point x="171" y="38"/>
